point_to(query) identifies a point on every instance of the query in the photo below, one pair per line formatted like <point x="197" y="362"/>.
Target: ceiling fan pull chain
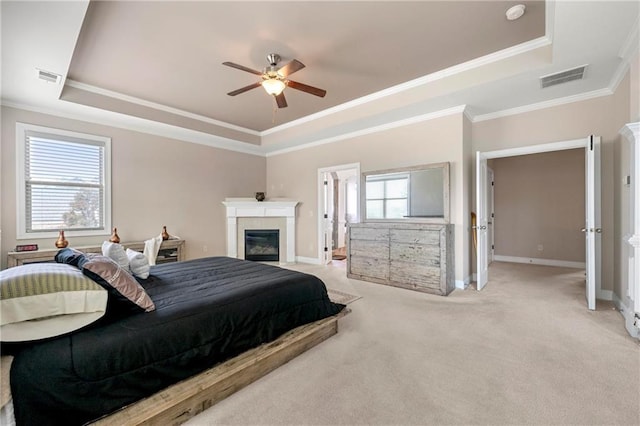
<point x="275" y="111"/>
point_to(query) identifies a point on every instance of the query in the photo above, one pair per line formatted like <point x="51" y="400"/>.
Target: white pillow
<point x="115" y="252"/>
<point x="138" y="264"/>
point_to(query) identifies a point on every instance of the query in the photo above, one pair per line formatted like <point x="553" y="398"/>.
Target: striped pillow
<point x="47" y="299"/>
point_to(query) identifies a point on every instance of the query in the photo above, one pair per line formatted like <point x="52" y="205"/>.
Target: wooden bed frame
<point x="178" y="403"/>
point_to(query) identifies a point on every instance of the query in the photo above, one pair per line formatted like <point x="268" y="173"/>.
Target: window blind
<point x="64" y="183"/>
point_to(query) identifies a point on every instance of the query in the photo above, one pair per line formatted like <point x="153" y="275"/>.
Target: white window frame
<point x="21" y="139"/>
<point x="385" y="179"/>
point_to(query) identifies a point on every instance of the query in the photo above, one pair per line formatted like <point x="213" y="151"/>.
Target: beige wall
<point x="155" y="181"/>
<point x="539" y="200"/>
<point x="603" y="116"/>
<point x="295" y="174"/>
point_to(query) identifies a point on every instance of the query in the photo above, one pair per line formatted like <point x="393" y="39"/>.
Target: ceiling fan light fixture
<point x="273" y="86"/>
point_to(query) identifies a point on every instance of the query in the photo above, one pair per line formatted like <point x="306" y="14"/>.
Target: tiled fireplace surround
<point x="247" y="213"/>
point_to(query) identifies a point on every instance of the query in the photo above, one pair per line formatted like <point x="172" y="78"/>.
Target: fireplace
<point x="243" y="212"/>
<point x="262" y="244"/>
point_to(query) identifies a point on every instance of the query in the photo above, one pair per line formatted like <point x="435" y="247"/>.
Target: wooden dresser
<point x="409" y="255"/>
<point x="170" y="251"/>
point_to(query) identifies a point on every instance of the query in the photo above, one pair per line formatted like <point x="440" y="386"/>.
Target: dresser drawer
<point x="369" y="267"/>
<point x="421" y="276"/>
<point x="370" y="234"/>
<point x="415" y="253"/>
<point x="415" y="236"/>
<point x="366" y="248"/>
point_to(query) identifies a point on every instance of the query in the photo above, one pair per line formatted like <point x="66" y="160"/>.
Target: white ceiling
<point x="157" y="67"/>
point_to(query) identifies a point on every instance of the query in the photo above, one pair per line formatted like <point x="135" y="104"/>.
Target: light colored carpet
<point x="525" y="350"/>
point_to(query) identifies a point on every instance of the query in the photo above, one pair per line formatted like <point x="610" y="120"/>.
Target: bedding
<point x="207" y="311"/>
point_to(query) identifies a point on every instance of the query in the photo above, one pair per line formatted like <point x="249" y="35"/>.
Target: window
<point x="387" y="196"/>
<point x="63" y="182"/>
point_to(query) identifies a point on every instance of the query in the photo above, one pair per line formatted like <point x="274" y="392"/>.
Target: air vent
<point x="563" y="77"/>
<point x="49" y="76"/>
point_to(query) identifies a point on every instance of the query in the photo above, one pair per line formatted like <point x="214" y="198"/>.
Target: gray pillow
<point x="43" y="300"/>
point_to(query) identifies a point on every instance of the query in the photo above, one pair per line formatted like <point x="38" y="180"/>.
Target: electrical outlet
<point x="540" y="247"/>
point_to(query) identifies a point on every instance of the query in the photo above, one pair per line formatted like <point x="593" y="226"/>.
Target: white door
<point x="592" y="228"/>
<point x="482" y="264"/>
<point x="327" y="221"/>
<point x="491" y="219"/>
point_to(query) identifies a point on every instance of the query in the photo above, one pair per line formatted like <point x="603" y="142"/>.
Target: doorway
<point x="591" y="225"/>
<point x="338" y="201"/>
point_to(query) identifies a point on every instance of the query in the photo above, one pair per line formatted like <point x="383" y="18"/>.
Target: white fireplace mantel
<point x="248" y="207"/>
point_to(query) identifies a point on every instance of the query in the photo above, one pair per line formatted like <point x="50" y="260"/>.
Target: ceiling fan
<point x="274" y="79"/>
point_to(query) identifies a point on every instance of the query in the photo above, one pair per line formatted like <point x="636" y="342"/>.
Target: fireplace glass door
<point x="262" y="244"/>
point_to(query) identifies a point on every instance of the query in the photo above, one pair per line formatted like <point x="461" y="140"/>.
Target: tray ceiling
<point x="157" y="66"/>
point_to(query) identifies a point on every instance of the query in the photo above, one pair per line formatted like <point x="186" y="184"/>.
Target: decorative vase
<point x="114" y="237"/>
<point x="165" y="234"/>
<point x="260" y="196"/>
<point x="61" y="242"/>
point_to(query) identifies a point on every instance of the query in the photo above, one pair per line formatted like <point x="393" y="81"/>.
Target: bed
<point x="207" y="311"/>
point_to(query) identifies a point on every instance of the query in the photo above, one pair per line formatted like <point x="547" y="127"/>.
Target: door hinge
<point x="326" y="216"/>
<point x="591" y="143"/>
<point x="493" y="247"/>
<point x="493" y="215"/>
<point x="326" y="249"/>
<point x="326" y="182"/>
<point x="491" y="183"/>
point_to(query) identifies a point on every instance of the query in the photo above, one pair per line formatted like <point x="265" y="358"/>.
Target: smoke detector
<point x="515" y="12"/>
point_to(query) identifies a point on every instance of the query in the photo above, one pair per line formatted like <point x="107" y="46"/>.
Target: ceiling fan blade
<point x="306" y="88"/>
<point x="244" y="89"/>
<point x="290" y="68"/>
<point x="241" y="67"/>
<point x="281" y="101"/>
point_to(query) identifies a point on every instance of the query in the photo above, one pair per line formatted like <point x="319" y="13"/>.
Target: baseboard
<point x="310" y="260"/>
<point x="628" y="315"/>
<point x="462" y="284"/>
<point x="544" y="262"/>
<point x="605" y="295"/>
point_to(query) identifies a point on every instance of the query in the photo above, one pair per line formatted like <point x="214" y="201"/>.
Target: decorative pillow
<point x="115" y="252"/>
<point x="138" y="264"/>
<point x="69" y="256"/>
<point x="43" y="300"/>
<point x="120" y="284"/>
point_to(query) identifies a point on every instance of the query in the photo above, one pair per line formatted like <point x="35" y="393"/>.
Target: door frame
<point x="321" y="204"/>
<point x="582" y="143"/>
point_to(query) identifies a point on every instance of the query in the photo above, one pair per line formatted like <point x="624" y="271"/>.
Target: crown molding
<point x="136" y="124"/>
<point x="542" y="105"/>
<point x="630" y="45"/>
<point x="420" y="81"/>
<point x="630" y="48"/>
<point x="157" y="106"/>
<point x="374" y="129"/>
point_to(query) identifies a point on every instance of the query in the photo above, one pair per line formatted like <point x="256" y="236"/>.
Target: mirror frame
<point x="445" y="193"/>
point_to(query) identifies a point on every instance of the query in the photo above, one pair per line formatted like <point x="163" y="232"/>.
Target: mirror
<point x="418" y="194"/>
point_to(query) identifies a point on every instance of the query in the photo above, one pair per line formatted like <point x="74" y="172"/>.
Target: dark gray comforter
<point x="207" y="310"/>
